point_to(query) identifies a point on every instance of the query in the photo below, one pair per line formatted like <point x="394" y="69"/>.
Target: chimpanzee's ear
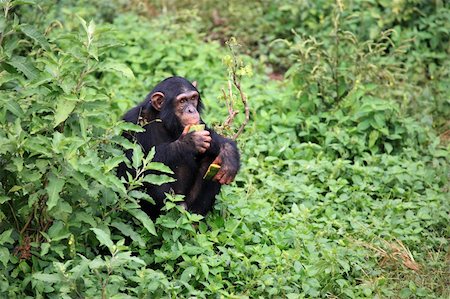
<point x="157" y="100"/>
<point x="194" y="83"/>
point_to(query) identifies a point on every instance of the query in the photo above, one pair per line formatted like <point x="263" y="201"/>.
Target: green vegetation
<point x="343" y="192"/>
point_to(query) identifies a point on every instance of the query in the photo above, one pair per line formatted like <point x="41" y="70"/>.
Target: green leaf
<point x="14" y="189"/>
<point x="188" y="273"/>
<point x="362" y="126"/>
<point x="5" y="237"/>
<point x="63" y="109"/>
<point x="14" y="108"/>
<point x="159" y="167"/>
<point x="424" y="213"/>
<point x="58" y="231"/>
<point x="50" y="278"/>
<point x="379" y="120"/>
<point x="44" y="248"/>
<point x="205" y="270"/>
<point x="121" y="68"/>
<point x="23" y="65"/>
<point x="138" y="156"/>
<point x="7" y="77"/>
<point x="157" y="179"/>
<point x="22" y="2"/>
<point x="373" y="137"/>
<point x="3" y="199"/>
<point x="91" y="28"/>
<point x="54" y="187"/>
<point x="32" y="32"/>
<point x="128" y="126"/>
<point x="4" y="256"/>
<point x="141" y="195"/>
<point x="388" y="147"/>
<point x="144" y="219"/>
<point x="103" y="237"/>
<point x="127" y="230"/>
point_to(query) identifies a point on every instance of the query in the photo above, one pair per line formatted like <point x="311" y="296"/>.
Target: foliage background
<point x="343" y="192"/>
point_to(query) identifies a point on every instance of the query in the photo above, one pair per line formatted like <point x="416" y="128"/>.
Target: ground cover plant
<point x="343" y="191"/>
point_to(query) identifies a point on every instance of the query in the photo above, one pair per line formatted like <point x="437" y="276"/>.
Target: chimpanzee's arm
<point x="174" y="153"/>
<point x="220" y="143"/>
<point x="227" y="155"/>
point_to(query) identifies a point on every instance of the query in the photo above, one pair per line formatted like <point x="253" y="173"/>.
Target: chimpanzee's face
<point x="178" y="102"/>
<point x="185" y="108"/>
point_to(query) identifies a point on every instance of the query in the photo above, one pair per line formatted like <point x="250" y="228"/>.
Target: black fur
<point x="178" y="152"/>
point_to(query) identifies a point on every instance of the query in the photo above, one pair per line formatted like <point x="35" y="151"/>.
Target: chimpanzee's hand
<point x="228" y="159"/>
<point x="201" y="140"/>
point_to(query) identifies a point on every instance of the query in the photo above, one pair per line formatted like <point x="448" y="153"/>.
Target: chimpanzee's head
<point x="178" y="102"/>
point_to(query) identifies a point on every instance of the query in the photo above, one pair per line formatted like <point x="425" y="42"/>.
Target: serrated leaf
<point x="138" y="156"/>
<point x="50" y="278"/>
<point x="388" y="147"/>
<point x="5" y="237"/>
<point x="58" y="231"/>
<point x="157" y="179"/>
<point x="44" y="248"/>
<point x="91" y="28"/>
<point x="120" y="68"/>
<point x="22" y="2"/>
<point x="14" y="108"/>
<point x="138" y="194"/>
<point x="144" y="219"/>
<point x="3" y="199"/>
<point x="205" y="270"/>
<point x="4" y="256"/>
<point x="14" y="189"/>
<point x="362" y="126"/>
<point x="112" y="163"/>
<point x="54" y="187"/>
<point x="127" y="230"/>
<point x="159" y="167"/>
<point x="63" y="110"/>
<point x="7" y="77"/>
<point x="83" y="23"/>
<point x="373" y="137"/>
<point x="142" y="196"/>
<point x="103" y="237"/>
<point x="379" y="120"/>
<point x="23" y="65"/>
<point x="128" y="126"/>
<point x="188" y="273"/>
<point x="31" y="31"/>
<point x="150" y="155"/>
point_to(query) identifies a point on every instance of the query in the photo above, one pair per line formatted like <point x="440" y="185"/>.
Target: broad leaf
<point x="120" y="68"/>
<point x="24" y="66"/>
<point x="50" y="278"/>
<point x="157" y="179"/>
<point x="54" y="187"/>
<point x="63" y="110"/>
<point x="103" y="237"/>
<point x="144" y="219"/>
<point x="32" y="32"/>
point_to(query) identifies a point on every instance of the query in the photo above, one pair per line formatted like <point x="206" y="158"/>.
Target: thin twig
<point x="246" y="107"/>
<point x="235" y="81"/>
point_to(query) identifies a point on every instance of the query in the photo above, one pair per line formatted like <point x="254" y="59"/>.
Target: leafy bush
<point x="59" y="147"/>
<point x="418" y="27"/>
<point x="341" y="193"/>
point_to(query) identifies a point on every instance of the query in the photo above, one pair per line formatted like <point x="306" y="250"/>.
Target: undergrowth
<point x="343" y="193"/>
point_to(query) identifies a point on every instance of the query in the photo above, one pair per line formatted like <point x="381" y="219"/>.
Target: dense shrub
<point x="342" y="193"/>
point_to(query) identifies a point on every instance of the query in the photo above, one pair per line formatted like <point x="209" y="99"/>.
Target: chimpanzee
<point x="167" y="114"/>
